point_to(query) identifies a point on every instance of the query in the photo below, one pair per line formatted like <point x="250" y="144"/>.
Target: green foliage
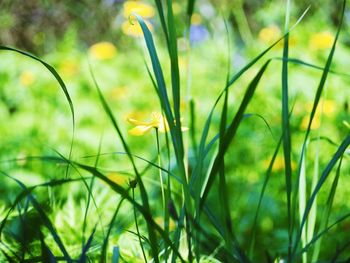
<point x="258" y="176"/>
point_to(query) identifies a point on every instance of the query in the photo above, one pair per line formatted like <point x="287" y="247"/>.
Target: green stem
<point x="165" y="196"/>
<point x="137" y="227"/>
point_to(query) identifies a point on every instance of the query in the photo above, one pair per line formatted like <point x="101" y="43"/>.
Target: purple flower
<point x="198" y="33"/>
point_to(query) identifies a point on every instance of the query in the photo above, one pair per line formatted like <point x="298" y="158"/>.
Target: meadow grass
<point x="195" y="186"/>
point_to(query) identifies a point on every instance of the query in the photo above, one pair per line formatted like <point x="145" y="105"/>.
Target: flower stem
<point x="137" y="226"/>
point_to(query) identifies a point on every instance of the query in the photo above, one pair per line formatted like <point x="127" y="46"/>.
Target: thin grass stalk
<point x="312" y="115"/>
<point x="287" y="148"/>
<point x="137" y="225"/>
<point x="302" y="203"/>
<point x="327" y="212"/>
<point x="144" y="196"/>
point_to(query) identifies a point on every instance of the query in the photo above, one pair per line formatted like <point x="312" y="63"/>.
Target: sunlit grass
<point x="258" y="175"/>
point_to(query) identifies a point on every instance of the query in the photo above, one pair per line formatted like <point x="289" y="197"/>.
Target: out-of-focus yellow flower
<point x="322" y="40"/>
<point x="160" y="221"/>
<point x="144" y="10"/>
<point x="118" y="93"/>
<point x="278" y="165"/>
<point x="326" y="107"/>
<point x="316" y="122"/>
<point x="69" y="67"/>
<point x="103" y="50"/>
<point x="196" y="19"/>
<point x="269" y="34"/>
<point x="27" y="78"/>
<point x="157" y="121"/>
<point x="134" y="29"/>
<point x="117" y="178"/>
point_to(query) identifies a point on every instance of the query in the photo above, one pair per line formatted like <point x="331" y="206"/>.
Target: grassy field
<point x="208" y="131"/>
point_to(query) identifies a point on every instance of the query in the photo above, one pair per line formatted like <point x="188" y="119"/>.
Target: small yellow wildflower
<point x="278" y="164"/>
<point x="196" y="19"/>
<point x="103" y="50"/>
<point x="322" y="40"/>
<point x="69" y="67"/>
<point x="27" y="78"/>
<point x="325" y="107"/>
<point x="160" y="221"/>
<point x="269" y="34"/>
<point x="134" y="29"/>
<point x="117" y="178"/>
<point x="157" y="121"/>
<point x="144" y="10"/>
<point x="316" y="122"/>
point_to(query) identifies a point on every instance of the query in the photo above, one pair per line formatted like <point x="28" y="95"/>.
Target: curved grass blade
<point x="25" y="193"/>
<point x="312" y="115"/>
<point x="327" y="211"/>
<point x="322" y="233"/>
<point x="86" y="247"/>
<point x="337" y="155"/>
<point x="144" y="196"/>
<point x="231" y="131"/>
<point x="60" y="82"/>
<point x="105" y="241"/>
<point x="43" y="217"/>
<point x="287" y="147"/>
<point x="124" y="194"/>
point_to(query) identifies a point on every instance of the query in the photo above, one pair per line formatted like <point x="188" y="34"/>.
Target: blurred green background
<point x="35" y="116"/>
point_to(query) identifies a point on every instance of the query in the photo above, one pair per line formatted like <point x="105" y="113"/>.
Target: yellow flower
<point x="160" y="221"/>
<point x="69" y="67"/>
<point x="196" y="19"/>
<point x="103" y="50"/>
<point x="117" y="178"/>
<point x="157" y="121"/>
<point x="316" y="122"/>
<point x="325" y="107"/>
<point x="141" y="9"/>
<point x="134" y="29"/>
<point x="322" y="40"/>
<point x="278" y="164"/>
<point x="27" y="78"/>
<point x="269" y="34"/>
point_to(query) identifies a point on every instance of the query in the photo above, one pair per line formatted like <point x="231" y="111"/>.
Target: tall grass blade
<point x="231" y="131"/>
<point x="86" y="247"/>
<point x="327" y="212"/>
<point x="60" y="82"/>
<point x="286" y="130"/>
<point x="151" y="232"/>
<point x="337" y="155"/>
<point x="45" y="219"/>
<point x="312" y="115"/>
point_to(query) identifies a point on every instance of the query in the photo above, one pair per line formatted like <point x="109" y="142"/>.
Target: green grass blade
<point x="322" y="233"/>
<point x="86" y="247"/>
<point x="190" y="9"/>
<point x="44" y="218"/>
<point x="287" y="147"/>
<point x="110" y="226"/>
<point x="337" y="155"/>
<point x="327" y="212"/>
<point x="312" y="115"/>
<point x="144" y="196"/>
<point x="162" y="19"/>
<point x="230" y="133"/>
<point x="262" y="193"/>
<point x="124" y="193"/>
<point x="60" y="82"/>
